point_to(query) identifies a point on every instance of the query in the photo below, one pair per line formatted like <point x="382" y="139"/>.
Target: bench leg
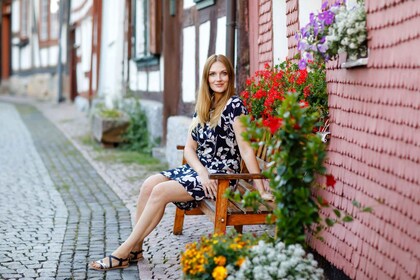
<point x="179" y="221"/>
<point x="239" y="228"/>
<point x="220" y="217"/>
<point x="220" y="226"/>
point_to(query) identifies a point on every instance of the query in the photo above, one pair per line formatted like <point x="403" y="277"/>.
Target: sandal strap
<point x="120" y="260"/>
<point x="102" y="264"/>
<point x="136" y="253"/>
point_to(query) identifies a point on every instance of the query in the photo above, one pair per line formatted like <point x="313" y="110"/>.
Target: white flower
<point x="277" y="261"/>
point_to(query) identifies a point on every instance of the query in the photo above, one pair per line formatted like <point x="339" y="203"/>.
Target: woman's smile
<point x="218" y="77"/>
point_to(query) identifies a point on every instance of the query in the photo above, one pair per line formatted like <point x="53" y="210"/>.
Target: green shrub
<point x="137" y="135"/>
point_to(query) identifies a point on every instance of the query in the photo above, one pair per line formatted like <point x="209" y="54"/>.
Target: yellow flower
<point x="219" y="273"/>
<point x="240" y="261"/>
<point x="220" y="260"/>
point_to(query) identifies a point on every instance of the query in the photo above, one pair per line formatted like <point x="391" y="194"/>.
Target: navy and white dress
<point x="217" y="150"/>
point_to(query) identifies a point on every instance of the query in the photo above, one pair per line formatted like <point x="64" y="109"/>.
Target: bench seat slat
<point x="237" y="176"/>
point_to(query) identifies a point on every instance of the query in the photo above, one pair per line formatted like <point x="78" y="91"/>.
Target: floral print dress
<point x="217" y="150"/>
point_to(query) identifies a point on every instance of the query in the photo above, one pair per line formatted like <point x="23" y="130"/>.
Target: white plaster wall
<point x="162" y="71"/>
<point x="280" y="48"/>
<point x="94" y="74"/>
<point x="305" y="8"/>
<point x="188" y="65"/>
<point x="53" y="55"/>
<point x="25" y="54"/>
<point x="79" y="11"/>
<point x="203" y="47"/>
<point x="142" y="81"/>
<point x="15" y="19"/>
<point x="86" y="43"/>
<point x="111" y="71"/>
<point x="154" y="81"/>
<point x="82" y="81"/>
<point x="133" y="75"/>
<point x="44" y="57"/>
<point x="221" y="36"/>
<point x="35" y="46"/>
<point x="177" y="131"/>
<point x="15" y="58"/>
<point x="188" y="4"/>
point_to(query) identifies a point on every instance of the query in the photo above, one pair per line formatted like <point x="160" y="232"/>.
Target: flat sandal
<point x="105" y="267"/>
<point x="136" y="257"/>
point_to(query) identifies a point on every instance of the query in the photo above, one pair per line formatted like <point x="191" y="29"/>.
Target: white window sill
<point x="355" y="63"/>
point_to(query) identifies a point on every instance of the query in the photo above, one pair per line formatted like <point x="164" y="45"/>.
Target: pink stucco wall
<point x="374" y="152"/>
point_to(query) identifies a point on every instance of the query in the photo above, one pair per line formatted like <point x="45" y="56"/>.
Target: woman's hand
<point x="263" y="187"/>
<point x="209" y="186"/>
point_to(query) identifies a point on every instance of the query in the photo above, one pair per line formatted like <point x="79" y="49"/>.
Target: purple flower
<point x="326" y="17"/>
<point x="309" y="56"/>
<point x="324" y="5"/>
<point x="302" y="46"/>
<point x="302" y="64"/>
<point x="322" y="48"/>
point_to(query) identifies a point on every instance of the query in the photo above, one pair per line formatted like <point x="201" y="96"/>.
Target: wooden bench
<point x="225" y="212"/>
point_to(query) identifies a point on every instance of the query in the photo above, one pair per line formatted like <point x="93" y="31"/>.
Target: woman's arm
<point x="248" y="155"/>
<point x="190" y="154"/>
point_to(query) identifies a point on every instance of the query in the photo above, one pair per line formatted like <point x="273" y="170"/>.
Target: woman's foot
<point x="136" y="255"/>
<point x="109" y="263"/>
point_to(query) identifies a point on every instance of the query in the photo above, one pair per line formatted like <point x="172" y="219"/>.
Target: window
<point x="49" y="22"/>
<point x="24" y="19"/>
<point x="147" y="32"/>
<point x="201" y="4"/>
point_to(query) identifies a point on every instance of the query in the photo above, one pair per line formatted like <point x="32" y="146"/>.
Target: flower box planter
<point x="355" y="63"/>
<point x="109" y="131"/>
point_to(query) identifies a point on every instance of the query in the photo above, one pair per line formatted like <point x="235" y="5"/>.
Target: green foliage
<point x="137" y="135"/>
<point x="110" y="113"/>
<point x="298" y="158"/>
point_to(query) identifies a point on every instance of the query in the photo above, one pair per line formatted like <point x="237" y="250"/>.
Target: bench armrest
<point x="245" y="176"/>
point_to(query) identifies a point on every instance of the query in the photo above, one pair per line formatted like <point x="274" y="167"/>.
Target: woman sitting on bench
<point x="215" y="145"/>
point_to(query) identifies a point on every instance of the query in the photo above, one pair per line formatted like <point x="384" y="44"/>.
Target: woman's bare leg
<point x="161" y="195"/>
<point x="145" y="191"/>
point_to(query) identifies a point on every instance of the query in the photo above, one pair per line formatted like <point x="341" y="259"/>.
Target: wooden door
<point x="73" y="64"/>
<point x="5" y="40"/>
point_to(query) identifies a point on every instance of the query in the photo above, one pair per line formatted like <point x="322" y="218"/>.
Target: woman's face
<point x="218" y="77"/>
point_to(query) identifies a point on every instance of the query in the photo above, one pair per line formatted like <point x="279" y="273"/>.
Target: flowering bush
<point x="216" y="256"/>
<point x="348" y="33"/>
<point x="296" y="155"/>
<point x="278" y="261"/>
<point x="331" y="31"/>
<point x="266" y="90"/>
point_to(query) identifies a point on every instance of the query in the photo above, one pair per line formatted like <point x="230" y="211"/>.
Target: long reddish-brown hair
<point x="205" y="94"/>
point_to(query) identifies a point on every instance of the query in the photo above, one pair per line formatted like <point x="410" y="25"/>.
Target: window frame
<point x="50" y="39"/>
<point x="151" y="49"/>
<point x="201" y="4"/>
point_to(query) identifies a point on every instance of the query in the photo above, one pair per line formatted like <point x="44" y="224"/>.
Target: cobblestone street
<point x="61" y="206"/>
<point x="56" y="211"/>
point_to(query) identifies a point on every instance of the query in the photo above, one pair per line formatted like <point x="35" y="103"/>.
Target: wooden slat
<point x="232" y="208"/>
<point x="248" y="219"/>
<point x="195" y="211"/>
<point x="237" y="176"/>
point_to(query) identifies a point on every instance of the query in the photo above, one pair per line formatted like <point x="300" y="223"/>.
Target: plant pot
<point x="109" y="131"/>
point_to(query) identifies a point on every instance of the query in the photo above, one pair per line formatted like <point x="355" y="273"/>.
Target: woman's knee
<point x="151" y="182"/>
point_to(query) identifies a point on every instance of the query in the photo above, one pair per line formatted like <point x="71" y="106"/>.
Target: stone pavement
<point x="84" y="203"/>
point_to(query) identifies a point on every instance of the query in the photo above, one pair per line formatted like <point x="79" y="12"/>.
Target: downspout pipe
<point x="60" y="97"/>
<point x="230" y="30"/>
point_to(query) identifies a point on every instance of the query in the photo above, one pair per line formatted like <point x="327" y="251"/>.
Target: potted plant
<point x="334" y="30"/>
<point x="109" y="125"/>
